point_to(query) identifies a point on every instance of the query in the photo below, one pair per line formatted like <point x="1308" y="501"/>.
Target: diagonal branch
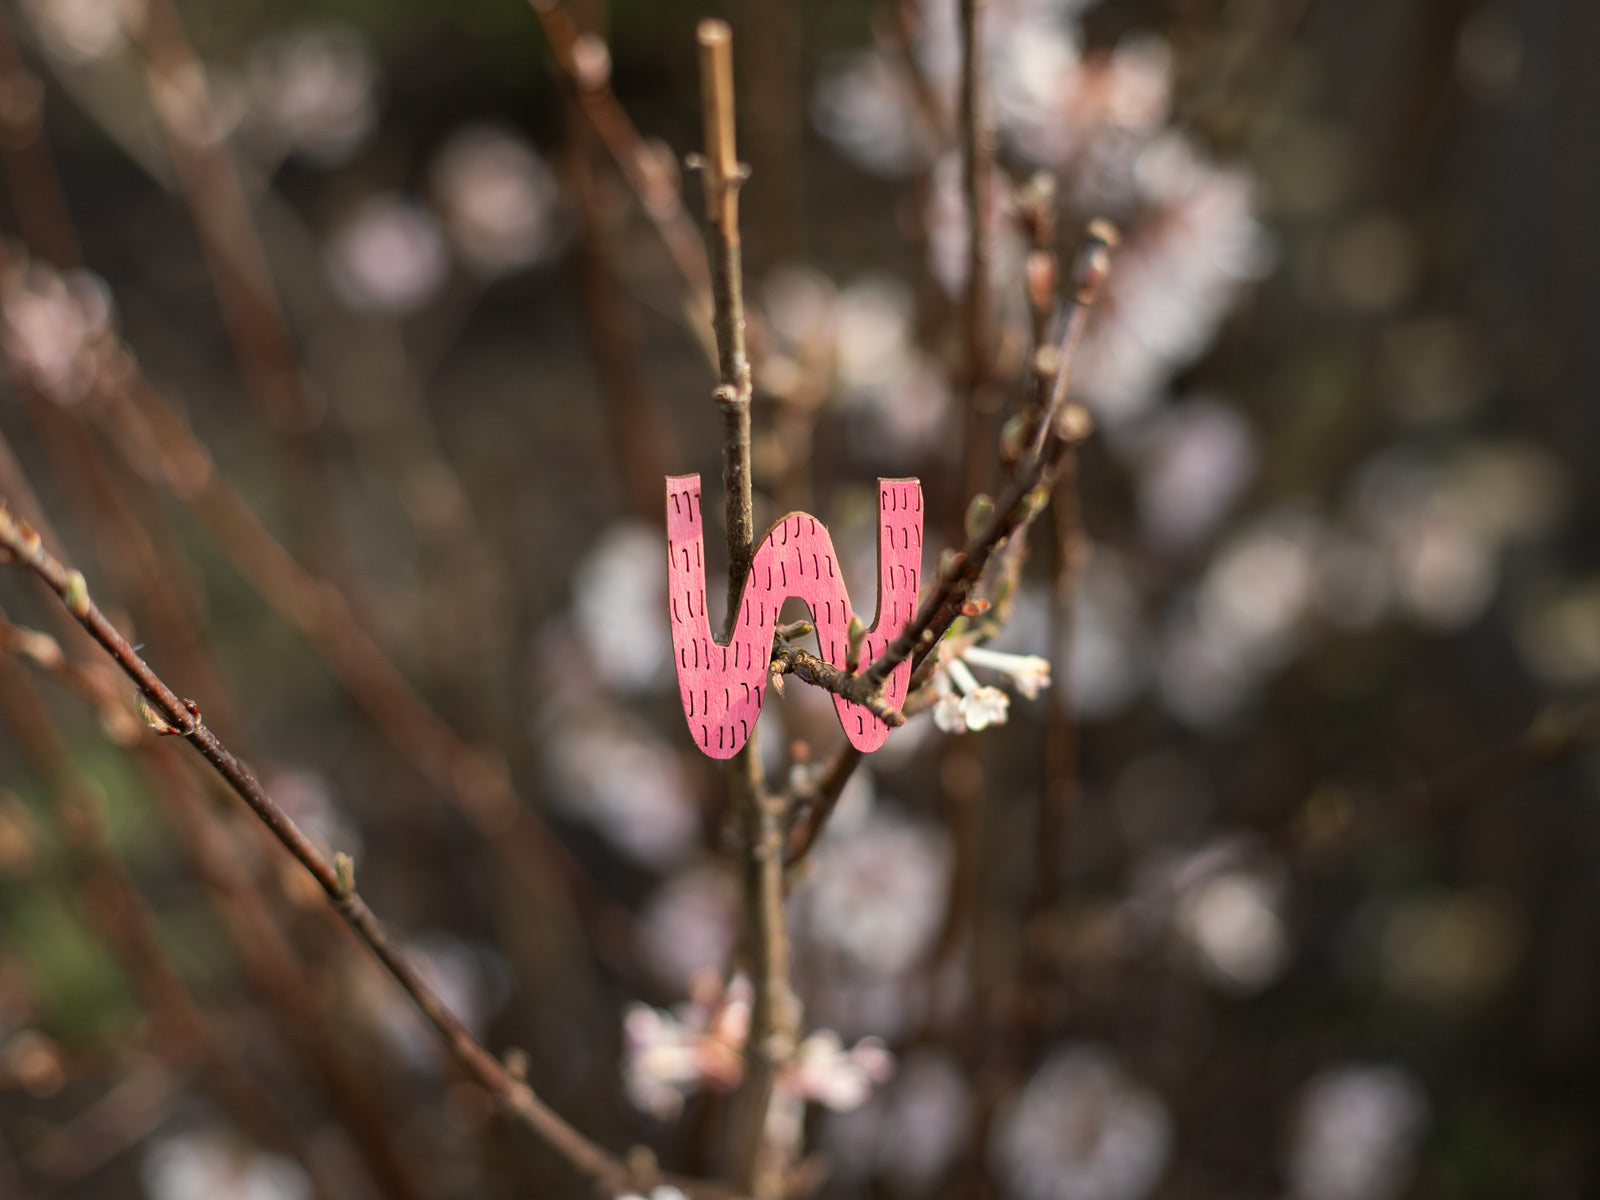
<point x="589" y="75"/>
<point x="182" y="718"/>
<point x="1061" y="427"/>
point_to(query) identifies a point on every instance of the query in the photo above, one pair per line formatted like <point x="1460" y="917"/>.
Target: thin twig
<point x="773" y="1015"/>
<point x="808" y="668"/>
<point x="820" y="797"/>
<point x="154" y="441"/>
<point x="217" y="862"/>
<point x="209" y="182"/>
<point x="127" y="927"/>
<point x="38" y="203"/>
<point x="182" y="718"/>
<point x="723" y="175"/>
<point x="1326" y="826"/>
<point x="1061" y="427"/>
<point x="638" y="426"/>
<point x="977" y="153"/>
<point x="585" y="64"/>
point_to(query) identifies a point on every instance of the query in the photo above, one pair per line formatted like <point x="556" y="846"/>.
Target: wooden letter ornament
<point x="722" y="686"/>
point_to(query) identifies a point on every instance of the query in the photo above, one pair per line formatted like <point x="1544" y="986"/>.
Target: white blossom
<point x="691" y="923"/>
<point x="616" y="602"/>
<point x="613" y="771"/>
<point x="699" y="1044"/>
<point x="1356" y="1134"/>
<point x="51" y="327"/>
<point x="841" y="1079"/>
<point x="971" y="706"/>
<point x="877" y="894"/>
<point x="1082" y="1129"/>
<point x="212" y="1165"/>
<point x="497" y="198"/>
<point x="387" y="256"/>
<point x="313" y="91"/>
<point x="1028" y="673"/>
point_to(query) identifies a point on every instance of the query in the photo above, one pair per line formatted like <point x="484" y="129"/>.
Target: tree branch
<point x="1061" y="427"/>
<point x="773" y="1016"/>
<point x="587" y="70"/>
<point x="182" y="718"/>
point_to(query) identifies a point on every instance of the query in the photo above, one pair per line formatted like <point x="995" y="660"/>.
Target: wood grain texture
<point x="722" y="685"/>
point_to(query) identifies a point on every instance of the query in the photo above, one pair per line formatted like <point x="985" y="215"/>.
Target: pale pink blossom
<point x="313" y="92"/>
<point x="54" y="329"/>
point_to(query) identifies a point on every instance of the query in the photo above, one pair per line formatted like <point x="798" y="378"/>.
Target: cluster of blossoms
<point x="55" y="328"/>
<point x="965" y="704"/>
<point x="1101" y="122"/>
<point x="700" y="1044"/>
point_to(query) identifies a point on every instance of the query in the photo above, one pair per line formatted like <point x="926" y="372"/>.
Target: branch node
<point x="344" y="870"/>
<point x="75" y="594"/>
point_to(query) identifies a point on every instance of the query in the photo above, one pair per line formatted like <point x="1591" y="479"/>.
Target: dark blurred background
<point x="1287" y="887"/>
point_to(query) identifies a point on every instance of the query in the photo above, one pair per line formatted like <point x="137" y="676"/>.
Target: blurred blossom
<point x="879" y="369"/>
<point x="699" y="1044"/>
<point x="1449" y="950"/>
<point x="308" y="798"/>
<point x="1258" y="589"/>
<point x="78" y="31"/>
<point x="949" y="231"/>
<point x="663" y="1192"/>
<point x="1352" y="588"/>
<point x="1107" y="665"/>
<point x="1558" y="634"/>
<point x="799" y="305"/>
<point x="614" y="772"/>
<point x="877" y="895"/>
<point x="1203" y="682"/>
<point x="872" y="319"/>
<point x="1232" y="921"/>
<point x="1443" y="525"/>
<point x="691" y="924"/>
<point x="1356" y="1134"/>
<point x="472" y="980"/>
<point x="1100" y="122"/>
<point x="497" y="198"/>
<point x="53" y="328"/>
<point x="313" y="91"/>
<point x="867" y="108"/>
<point x="1225" y="904"/>
<point x="1511" y="490"/>
<point x="1192" y="462"/>
<point x="1176" y="277"/>
<point x="910" y="1132"/>
<point x="1082" y="1129"/>
<point x="212" y="1165"/>
<point x="824" y="1071"/>
<point x="1370" y="263"/>
<point x="387" y="256"/>
<point x="618" y="592"/>
<point x="1092" y="121"/>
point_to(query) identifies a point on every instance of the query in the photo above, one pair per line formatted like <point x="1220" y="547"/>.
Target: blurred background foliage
<point x="1328" y="922"/>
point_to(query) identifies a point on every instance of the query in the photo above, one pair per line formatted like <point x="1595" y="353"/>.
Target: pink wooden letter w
<point x="722" y="685"/>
